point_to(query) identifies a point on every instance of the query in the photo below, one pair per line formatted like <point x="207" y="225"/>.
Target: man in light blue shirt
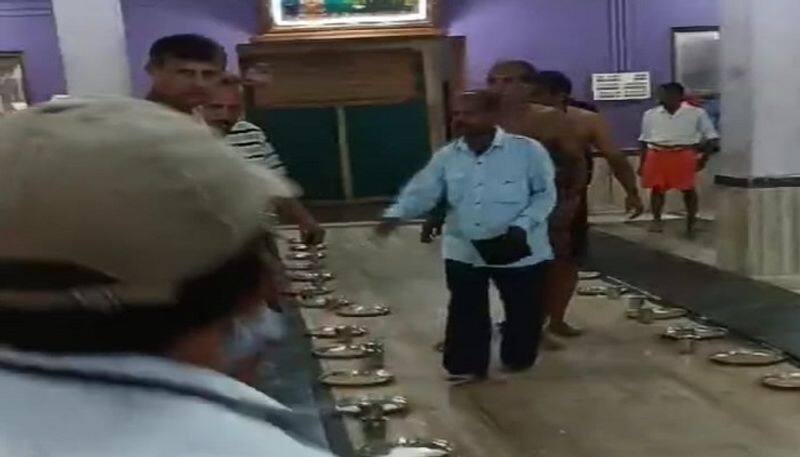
<point x="500" y="192"/>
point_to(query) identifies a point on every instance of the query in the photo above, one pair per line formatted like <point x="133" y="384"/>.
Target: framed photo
<point x="308" y="15"/>
<point x="12" y="82"/>
<point x="696" y="54"/>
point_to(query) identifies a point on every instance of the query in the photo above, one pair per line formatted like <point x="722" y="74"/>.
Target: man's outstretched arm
<point x="419" y="196"/>
<point x="294" y="211"/>
<point x="622" y="169"/>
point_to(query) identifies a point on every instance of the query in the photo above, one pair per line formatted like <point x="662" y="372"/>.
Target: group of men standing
<point x="508" y="220"/>
<point x="514" y="187"/>
<point x="124" y="315"/>
<point x="187" y="74"/>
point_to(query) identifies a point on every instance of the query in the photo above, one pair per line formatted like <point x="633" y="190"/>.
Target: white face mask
<point x="253" y="335"/>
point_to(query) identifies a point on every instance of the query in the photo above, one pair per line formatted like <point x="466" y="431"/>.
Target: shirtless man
<point x="513" y="81"/>
<point x="554" y="89"/>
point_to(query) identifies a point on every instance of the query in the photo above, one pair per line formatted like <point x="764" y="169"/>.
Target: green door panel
<point x="388" y="144"/>
<point x="307" y="141"/>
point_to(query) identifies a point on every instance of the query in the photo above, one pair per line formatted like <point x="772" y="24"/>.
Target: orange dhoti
<point x="670" y="169"/>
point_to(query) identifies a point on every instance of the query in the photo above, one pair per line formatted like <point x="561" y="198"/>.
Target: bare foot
<point x="691" y="228"/>
<point x="656" y="227"/>
<point x="464" y="379"/>
<point x="564" y="329"/>
<point x="550" y="343"/>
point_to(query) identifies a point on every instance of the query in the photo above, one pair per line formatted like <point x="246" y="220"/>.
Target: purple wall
<point x="230" y="22"/>
<point x="650" y="24"/>
<point x="28" y="26"/>
<point x="570" y="35"/>
<point x="576" y="36"/>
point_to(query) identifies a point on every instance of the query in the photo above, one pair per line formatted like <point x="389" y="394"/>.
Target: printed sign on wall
<point x="622" y="86"/>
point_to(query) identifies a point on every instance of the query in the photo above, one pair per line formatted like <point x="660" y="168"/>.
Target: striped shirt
<point x="252" y="143"/>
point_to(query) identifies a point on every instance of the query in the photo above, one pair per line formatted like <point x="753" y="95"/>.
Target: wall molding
<point x="26" y="8"/>
<point x="618" y="27"/>
<point x="758" y="182"/>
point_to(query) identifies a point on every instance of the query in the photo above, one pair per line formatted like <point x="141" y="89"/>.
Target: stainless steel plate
<point x="305" y="248"/>
<point x="310" y="276"/>
<point x="340" y="351"/>
<point x="405" y="447"/>
<point x="748" y="357"/>
<point x="592" y="291"/>
<point x="316" y="303"/>
<point x="305" y="256"/>
<point x="660" y="313"/>
<point x="330" y="331"/>
<point x="303" y="266"/>
<point x="297" y="241"/>
<point x="363" y="311"/>
<point x="788" y="381"/>
<point x="586" y="275"/>
<point x="663" y="313"/>
<point x="694" y="332"/>
<point x="391" y="404"/>
<point x="356" y="378"/>
<point x="314" y="291"/>
<point x="324" y="302"/>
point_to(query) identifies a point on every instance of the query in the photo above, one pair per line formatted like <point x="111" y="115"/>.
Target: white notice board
<point x="622" y="86"/>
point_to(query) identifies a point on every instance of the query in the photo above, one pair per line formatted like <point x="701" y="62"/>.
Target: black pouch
<point x="504" y="249"/>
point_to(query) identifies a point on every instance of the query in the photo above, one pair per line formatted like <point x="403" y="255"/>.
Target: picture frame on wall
<point x="349" y="15"/>
<point x="696" y="53"/>
<point x="12" y="82"/>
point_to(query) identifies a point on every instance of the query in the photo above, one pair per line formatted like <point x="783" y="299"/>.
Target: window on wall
<point x="696" y="59"/>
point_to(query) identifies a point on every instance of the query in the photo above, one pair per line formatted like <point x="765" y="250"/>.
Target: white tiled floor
<point x="619" y="391"/>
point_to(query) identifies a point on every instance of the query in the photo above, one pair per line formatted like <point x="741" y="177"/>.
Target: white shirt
<point x="689" y="125"/>
<point x="48" y="416"/>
